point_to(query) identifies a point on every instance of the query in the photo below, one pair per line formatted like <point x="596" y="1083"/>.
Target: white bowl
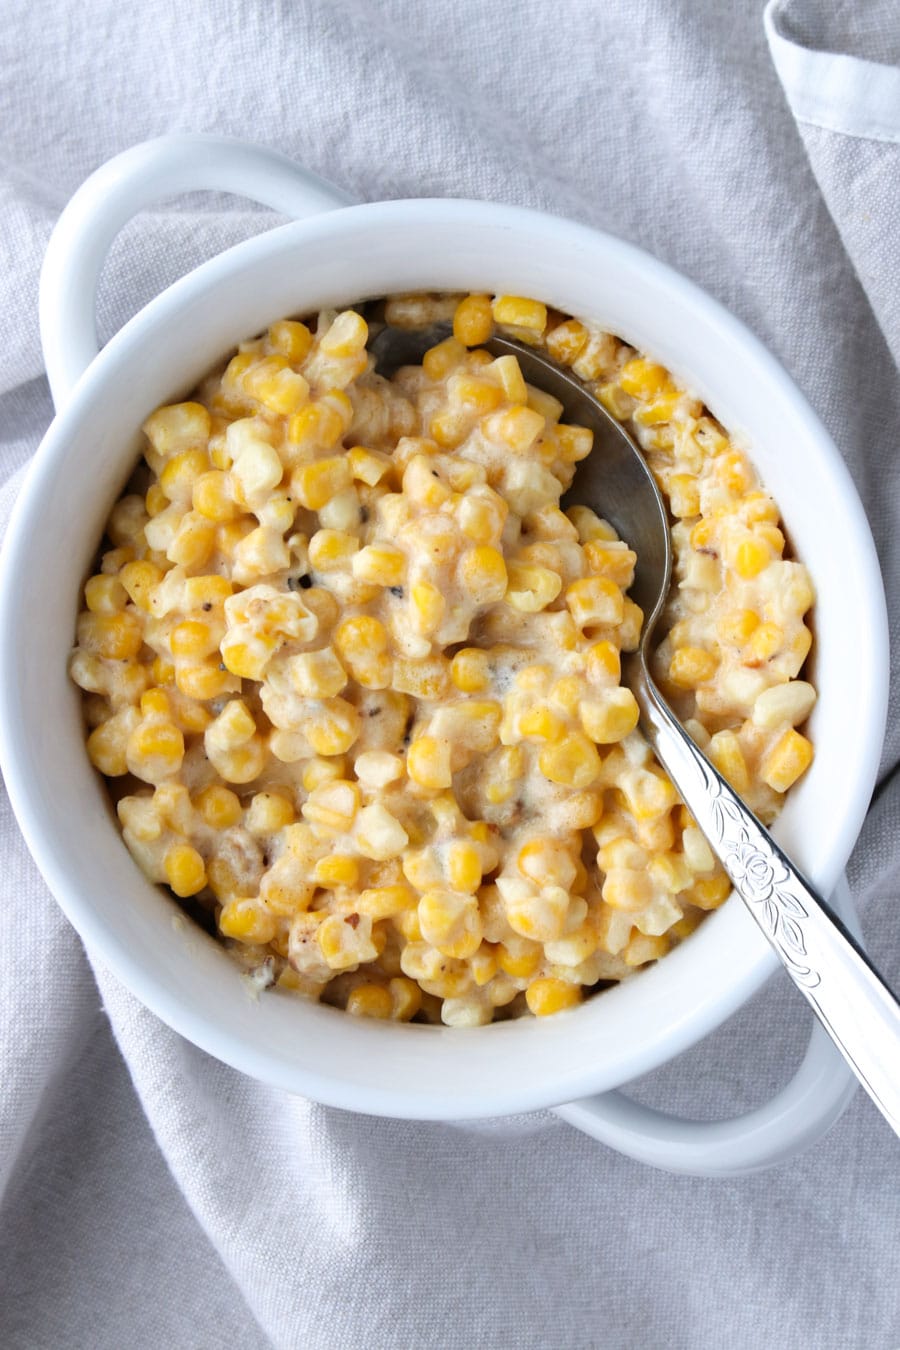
<point x="133" y="928"/>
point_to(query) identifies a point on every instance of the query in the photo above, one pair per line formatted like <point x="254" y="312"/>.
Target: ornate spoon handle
<point x="856" y="1007"/>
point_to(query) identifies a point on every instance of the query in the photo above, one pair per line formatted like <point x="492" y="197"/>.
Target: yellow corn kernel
<point x="370" y="1000"/>
<point x="315" y="484"/>
<point x="185" y="871"/>
<point x="567" y="694"/>
<point x="517" y="311"/>
<point x="509" y="373"/>
<point x="520" y="959"/>
<point x="106" y="747"/>
<point x="177" y="426"/>
<point x="709" y="892"/>
<point x="162" y="672"/>
<point x="179" y="475"/>
<point x="470" y="670"/>
<point x="614" y="399"/>
<point x="428" y="763"/>
<point x="155" y="750"/>
<point x="515" y="428"/>
<point x="595" y="600"/>
<point x="247" y="921"/>
<point x="703" y="534"/>
<point x="421" y="484"/>
<point x="547" y="862"/>
<point x="644" y="379"/>
<point x="219" y="806"/>
<point x="612" y="719"/>
<point x="208" y="590"/>
<point x="725" y="751"/>
<point x="117" y="636"/>
<point x="473" y="320"/>
<point x="317" y="674"/>
<point x="336" y="870"/>
<point x="386" y="902"/>
<point x="346" y="336"/>
<point x="790" y="757"/>
<point x="464" y="866"/>
<point x="451" y="923"/>
<point x="269" y="812"/>
<point x="333" y="805"/>
<point x="691" y="666"/>
<point x="428" y="679"/>
<point x="211" y="497"/>
<point x="406" y="998"/>
<point x="735" y="628"/>
<point x="482" y="572"/>
<point x="549" y="995"/>
<point x="572" y="761"/>
<point x="734" y="472"/>
<point x="565" y="341"/>
<point x="358" y="637"/>
<point x="330" y="550"/>
<point x="380" y="565"/>
<point x="531" y="588"/>
<point x="684" y="495"/>
<point x="319" y="771"/>
<point x="368" y="466"/>
<point x="641" y="948"/>
<point x="603" y="663"/>
<point x="542" y="723"/>
<point x="750" y="558"/>
<point x="429" y="605"/>
<point x="105" y="594"/>
<point x="333" y="730"/>
<point x="291" y="339"/>
<point x="139" y="580"/>
<point x="482" y="515"/>
<point x="155" y="702"/>
<point x="764" y="642"/>
<point x="438" y="361"/>
<point x="205" y="681"/>
<point x="315" y="427"/>
<point x="192" y="637"/>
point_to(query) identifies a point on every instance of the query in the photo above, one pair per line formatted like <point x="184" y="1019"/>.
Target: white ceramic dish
<point x="338" y="257"/>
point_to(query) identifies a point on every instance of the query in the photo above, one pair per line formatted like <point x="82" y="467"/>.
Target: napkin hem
<point x="833" y="90"/>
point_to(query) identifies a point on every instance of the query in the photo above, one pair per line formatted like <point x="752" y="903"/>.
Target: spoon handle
<point x="856" y="1007"/>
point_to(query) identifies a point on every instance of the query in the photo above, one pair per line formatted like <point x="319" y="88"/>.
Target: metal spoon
<point x="856" y="1007"/>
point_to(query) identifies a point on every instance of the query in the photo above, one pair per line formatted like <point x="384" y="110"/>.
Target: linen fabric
<point x="150" y="1196"/>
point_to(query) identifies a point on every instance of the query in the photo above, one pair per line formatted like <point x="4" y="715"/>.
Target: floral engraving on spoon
<point x="763" y="880"/>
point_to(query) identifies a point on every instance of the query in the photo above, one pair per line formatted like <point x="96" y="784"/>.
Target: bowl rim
<point x="109" y="947"/>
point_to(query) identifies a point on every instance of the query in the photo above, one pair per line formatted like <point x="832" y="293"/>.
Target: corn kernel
<point x="643" y="379"/>
<point x="725" y="751"/>
<point x="429" y="605"/>
<point x="177" y="427"/>
<point x="370" y="1000"/>
<point x="765" y="641"/>
<point x="247" y="921"/>
<point x="315" y="427"/>
<point x="105" y="594"/>
<point x="542" y="723"/>
<point x="333" y="730"/>
<point x="530" y="589"/>
<point x="515" y="428"/>
<point x="464" y="866"/>
<point x="566" y="340"/>
<point x="572" y="761"/>
<point x="470" y="670"/>
<point x="790" y="757"/>
<point x="428" y="763"/>
<point x="603" y="663"/>
<point x="185" y="870"/>
<point x="612" y="719"/>
<point x="595" y="600"/>
<point x="380" y="564"/>
<point x="291" y="339"/>
<point x="315" y="484"/>
<point x="473" y="320"/>
<point x="346" y="336"/>
<point x="709" y="892"/>
<point x="549" y="995"/>
<point x="219" y="806"/>
<point x="482" y="572"/>
<point x="750" y="558"/>
<point x="518" y="312"/>
<point x="451" y="923"/>
<point x="691" y="666"/>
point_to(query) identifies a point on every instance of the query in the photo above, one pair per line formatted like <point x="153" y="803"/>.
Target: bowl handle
<point x="796" y="1117"/>
<point x="123" y="186"/>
